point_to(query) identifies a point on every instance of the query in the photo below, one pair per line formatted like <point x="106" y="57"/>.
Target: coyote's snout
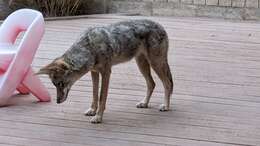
<point x="99" y="48"/>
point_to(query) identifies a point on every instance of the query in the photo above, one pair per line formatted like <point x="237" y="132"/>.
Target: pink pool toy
<point x="15" y="61"/>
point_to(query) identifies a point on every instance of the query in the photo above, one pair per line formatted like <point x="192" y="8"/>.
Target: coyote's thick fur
<point x="99" y="48"/>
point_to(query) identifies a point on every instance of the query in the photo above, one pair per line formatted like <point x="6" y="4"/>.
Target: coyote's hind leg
<point x="162" y="69"/>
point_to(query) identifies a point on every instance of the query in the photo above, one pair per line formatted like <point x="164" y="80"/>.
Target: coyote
<point x="99" y="48"/>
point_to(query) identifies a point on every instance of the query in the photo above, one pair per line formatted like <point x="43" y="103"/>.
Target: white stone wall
<point x="232" y="9"/>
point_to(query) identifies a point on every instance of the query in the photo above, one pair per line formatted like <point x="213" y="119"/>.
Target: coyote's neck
<point x="79" y="57"/>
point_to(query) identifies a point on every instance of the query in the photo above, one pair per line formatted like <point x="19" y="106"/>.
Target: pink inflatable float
<point x="15" y="61"/>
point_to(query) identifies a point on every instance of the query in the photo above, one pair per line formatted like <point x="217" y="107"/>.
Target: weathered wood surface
<point x="216" y="98"/>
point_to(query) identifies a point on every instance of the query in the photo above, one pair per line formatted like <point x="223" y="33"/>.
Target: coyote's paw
<point x="96" y="119"/>
<point x="90" y="112"/>
<point x="142" y="105"/>
<point x="163" y="108"/>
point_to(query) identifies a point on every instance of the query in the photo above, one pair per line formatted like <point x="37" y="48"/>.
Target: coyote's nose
<point x="62" y="95"/>
<point x="58" y="101"/>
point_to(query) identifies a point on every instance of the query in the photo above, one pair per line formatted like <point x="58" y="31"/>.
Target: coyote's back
<point x="122" y="41"/>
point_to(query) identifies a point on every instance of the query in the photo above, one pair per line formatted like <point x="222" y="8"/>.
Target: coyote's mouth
<point x="62" y="95"/>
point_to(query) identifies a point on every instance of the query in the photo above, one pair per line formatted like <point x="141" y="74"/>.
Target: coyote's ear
<point x="48" y="69"/>
<point x="58" y="66"/>
<point x="45" y="70"/>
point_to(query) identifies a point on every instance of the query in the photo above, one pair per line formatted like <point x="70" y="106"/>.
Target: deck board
<point x="216" y="68"/>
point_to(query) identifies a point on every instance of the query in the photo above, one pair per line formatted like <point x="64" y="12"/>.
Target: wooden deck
<point x="216" y="100"/>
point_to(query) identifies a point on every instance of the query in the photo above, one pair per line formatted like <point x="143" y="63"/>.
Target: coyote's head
<point x="62" y="76"/>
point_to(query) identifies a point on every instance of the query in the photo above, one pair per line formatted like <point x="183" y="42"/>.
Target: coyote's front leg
<point x="103" y="96"/>
<point x="94" y="105"/>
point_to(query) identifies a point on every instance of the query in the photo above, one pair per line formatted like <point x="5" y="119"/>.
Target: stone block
<point x="187" y="1"/>
<point x="143" y="8"/>
<point x="173" y="9"/>
<point x="174" y="1"/>
<point x="225" y="3"/>
<point x="212" y="2"/>
<point x="164" y="9"/>
<point x="238" y="3"/>
<point x="252" y="3"/>
<point x="199" y="2"/>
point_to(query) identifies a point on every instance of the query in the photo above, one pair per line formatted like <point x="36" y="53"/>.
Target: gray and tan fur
<point x="100" y="48"/>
